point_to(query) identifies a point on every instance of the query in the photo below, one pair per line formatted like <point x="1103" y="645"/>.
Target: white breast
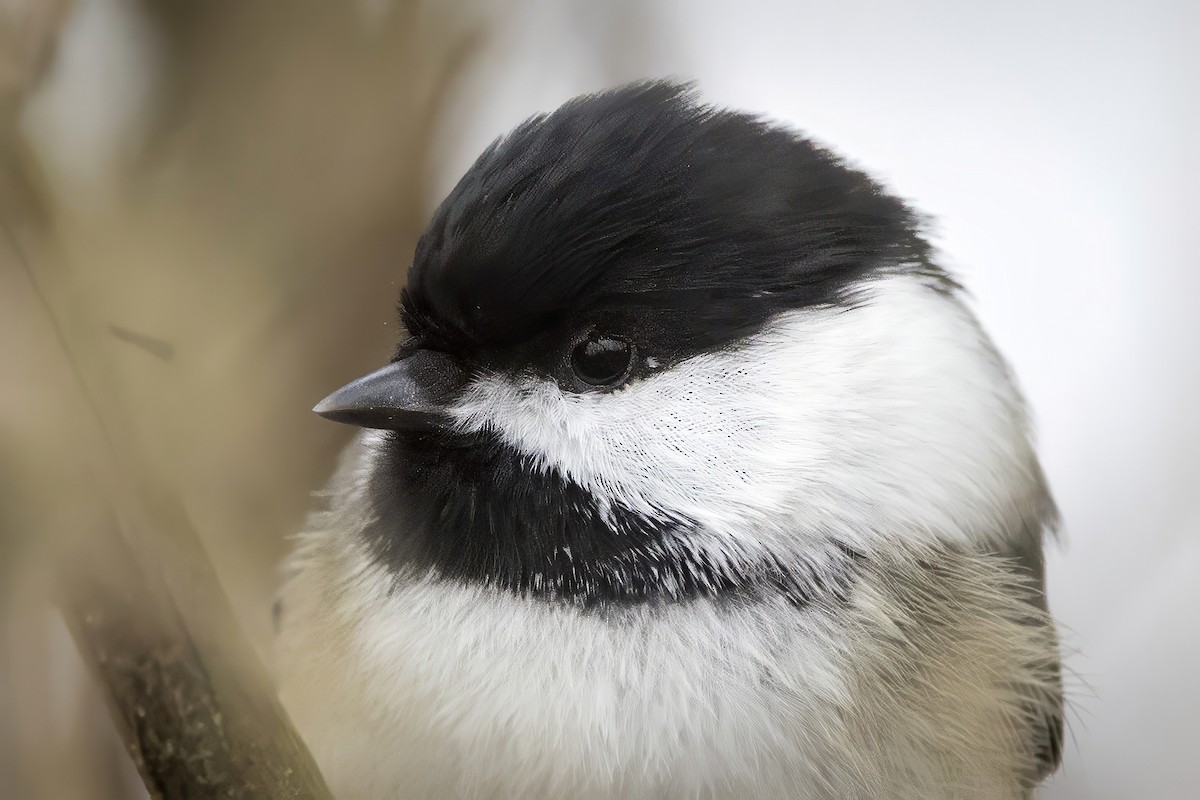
<point x="457" y="693"/>
<point x="429" y="689"/>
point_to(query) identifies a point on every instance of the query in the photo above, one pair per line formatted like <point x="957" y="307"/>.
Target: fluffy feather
<point x="795" y="555"/>
<point x="919" y="687"/>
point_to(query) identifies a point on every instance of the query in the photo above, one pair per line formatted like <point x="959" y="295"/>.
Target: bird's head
<point x="660" y="350"/>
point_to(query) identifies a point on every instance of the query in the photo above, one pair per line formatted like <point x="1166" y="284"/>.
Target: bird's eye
<point x="602" y="360"/>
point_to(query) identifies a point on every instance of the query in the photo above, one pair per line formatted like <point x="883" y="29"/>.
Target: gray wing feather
<point x="1048" y="723"/>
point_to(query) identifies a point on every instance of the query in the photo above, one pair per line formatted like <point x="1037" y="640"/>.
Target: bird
<point x="694" y="476"/>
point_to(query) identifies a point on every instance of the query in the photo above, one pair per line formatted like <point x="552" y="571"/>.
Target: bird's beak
<point x="412" y="392"/>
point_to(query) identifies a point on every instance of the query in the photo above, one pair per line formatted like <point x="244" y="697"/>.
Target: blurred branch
<point x="194" y="726"/>
<point x="224" y="278"/>
<point x="193" y="704"/>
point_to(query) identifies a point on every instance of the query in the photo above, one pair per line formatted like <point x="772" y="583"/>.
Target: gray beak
<point x="413" y="392"/>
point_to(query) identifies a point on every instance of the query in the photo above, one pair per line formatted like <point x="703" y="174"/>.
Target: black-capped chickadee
<point x="696" y="479"/>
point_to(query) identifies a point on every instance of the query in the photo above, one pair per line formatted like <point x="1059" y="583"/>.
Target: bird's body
<point x="699" y="481"/>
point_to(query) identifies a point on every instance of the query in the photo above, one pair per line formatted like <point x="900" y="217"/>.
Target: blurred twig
<point x="196" y="710"/>
<point x="228" y="276"/>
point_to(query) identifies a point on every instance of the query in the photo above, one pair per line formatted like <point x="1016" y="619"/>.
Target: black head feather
<point x="641" y="197"/>
<point x="641" y="213"/>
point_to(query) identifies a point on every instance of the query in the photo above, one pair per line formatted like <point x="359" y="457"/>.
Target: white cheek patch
<point x="894" y="412"/>
<point x="691" y="442"/>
